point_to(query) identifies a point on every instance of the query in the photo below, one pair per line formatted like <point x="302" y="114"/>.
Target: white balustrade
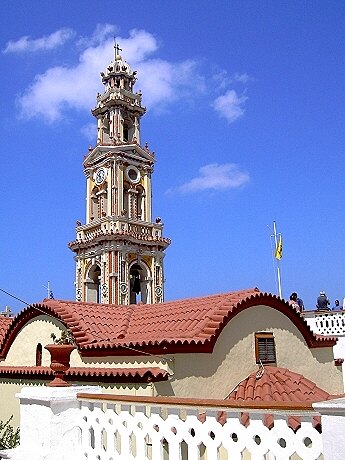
<point x="64" y="424"/>
<point x="326" y="323"/>
<point x="120" y="429"/>
<point x="90" y="231"/>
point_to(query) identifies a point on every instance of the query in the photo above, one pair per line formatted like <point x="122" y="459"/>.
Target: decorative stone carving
<point x="159" y="291"/>
<point x="123" y="288"/>
<point x="104" y="290"/>
<point x="78" y="295"/>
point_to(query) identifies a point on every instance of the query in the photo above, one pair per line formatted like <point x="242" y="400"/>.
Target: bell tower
<point x="119" y="251"/>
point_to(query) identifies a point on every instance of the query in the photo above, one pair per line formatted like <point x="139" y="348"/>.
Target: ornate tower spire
<point x="119" y="251"/>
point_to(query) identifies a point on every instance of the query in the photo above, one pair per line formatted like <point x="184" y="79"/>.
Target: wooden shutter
<point x="265" y="350"/>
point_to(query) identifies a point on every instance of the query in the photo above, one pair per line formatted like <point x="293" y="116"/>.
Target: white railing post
<point x="333" y="428"/>
<point x="50" y="423"/>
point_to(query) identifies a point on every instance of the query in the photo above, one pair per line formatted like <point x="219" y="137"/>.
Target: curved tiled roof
<point x="189" y="325"/>
<point x="277" y="384"/>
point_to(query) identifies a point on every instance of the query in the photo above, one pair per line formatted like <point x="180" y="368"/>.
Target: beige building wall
<point x="23" y="349"/>
<point x="233" y="359"/>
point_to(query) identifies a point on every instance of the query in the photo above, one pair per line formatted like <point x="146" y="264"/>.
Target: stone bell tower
<point x="119" y="251"/>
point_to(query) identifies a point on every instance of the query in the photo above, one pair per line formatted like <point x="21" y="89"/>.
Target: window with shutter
<point x="265" y="350"/>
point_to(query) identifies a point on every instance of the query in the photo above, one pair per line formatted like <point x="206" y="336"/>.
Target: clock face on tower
<point x="100" y="176"/>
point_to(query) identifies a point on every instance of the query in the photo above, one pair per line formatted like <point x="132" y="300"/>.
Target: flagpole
<point x="278" y="262"/>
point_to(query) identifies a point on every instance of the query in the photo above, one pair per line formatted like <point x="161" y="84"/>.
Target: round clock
<point x="100" y="176"/>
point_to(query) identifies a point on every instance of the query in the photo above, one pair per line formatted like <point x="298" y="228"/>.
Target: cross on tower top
<point x="117" y="48"/>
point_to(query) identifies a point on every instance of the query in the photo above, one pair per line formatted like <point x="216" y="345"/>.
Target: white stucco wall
<point x="9" y="404"/>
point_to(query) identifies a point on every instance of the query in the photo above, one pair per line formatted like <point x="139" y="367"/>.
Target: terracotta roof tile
<point x="278" y="384"/>
<point x="188" y="325"/>
<point x="5" y="321"/>
<point x="90" y="373"/>
<point x="190" y="319"/>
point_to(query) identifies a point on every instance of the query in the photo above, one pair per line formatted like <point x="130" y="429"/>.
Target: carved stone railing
<point x="119" y="226"/>
<point x="168" y="428"/>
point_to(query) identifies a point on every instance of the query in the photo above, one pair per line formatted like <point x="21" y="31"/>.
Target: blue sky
<point x="246" y="112"/>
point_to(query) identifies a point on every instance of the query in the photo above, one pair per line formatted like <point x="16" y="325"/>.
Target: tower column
<point x="148" y="193"/>
<point x="136" y="130"/>
<point x="119" y="167"/>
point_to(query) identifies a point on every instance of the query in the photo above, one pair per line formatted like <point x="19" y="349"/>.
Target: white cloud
<point x="230" y="105"/>
<point x="52" y="93"/>
<point x="47" y="42"/>
<point x="216" y="176"/>
<point x="164" y="82"/>
<point x="76" y="87"/>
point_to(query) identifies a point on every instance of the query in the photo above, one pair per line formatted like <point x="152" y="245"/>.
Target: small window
<point x="39" y="354"/>
<point x="265" y="349"/>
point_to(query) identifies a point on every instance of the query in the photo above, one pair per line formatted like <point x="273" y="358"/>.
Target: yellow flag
<point x="279" y="249"/>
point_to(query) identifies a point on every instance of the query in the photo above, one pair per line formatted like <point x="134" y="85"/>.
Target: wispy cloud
<point x="223" y="79"/>
<point x="101" y="33"/>
<point x="230" y="105"/>
<point x="26" y="44"/>
<point x="216" y="176"/>
<point x="242" y="77"/>
<point x="89" y="131"/>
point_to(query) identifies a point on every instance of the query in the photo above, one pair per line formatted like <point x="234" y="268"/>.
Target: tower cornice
<point x="115" y="97"/>
<point x="131" y="150"/>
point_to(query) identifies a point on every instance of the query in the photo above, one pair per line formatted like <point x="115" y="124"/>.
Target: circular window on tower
<point x="133" y="174"/>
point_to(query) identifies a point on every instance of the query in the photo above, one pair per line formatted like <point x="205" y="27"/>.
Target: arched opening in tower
<point x="128" y="129"/>
<point x="93" y="285"/>
<point x="138" y="284"/>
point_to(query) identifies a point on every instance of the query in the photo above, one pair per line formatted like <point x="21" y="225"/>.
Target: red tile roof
<point x="97" y="374"/>
<point x="5" y="321"/>
<point x="182" y="320"/>
<point x="189" y="325"/>
<point x="277" y="384"/>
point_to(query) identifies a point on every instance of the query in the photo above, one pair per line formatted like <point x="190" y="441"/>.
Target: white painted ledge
<point x="49" y="423"/>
